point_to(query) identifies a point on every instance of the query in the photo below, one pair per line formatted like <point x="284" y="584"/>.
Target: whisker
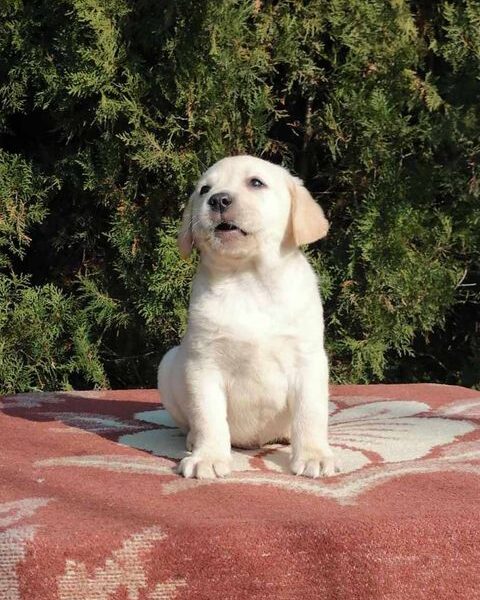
<point x="194" y="221"/>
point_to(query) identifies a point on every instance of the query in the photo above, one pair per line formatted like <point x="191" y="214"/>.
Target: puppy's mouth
<point x="227" y="227"/>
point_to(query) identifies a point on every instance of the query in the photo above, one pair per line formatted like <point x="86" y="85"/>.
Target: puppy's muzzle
<point x="220" y="202"/>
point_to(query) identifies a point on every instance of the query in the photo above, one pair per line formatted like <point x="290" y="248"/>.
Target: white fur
<point x="252" y="367"/>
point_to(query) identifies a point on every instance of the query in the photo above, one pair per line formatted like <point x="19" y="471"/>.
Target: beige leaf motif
<point x="123" y="569"/>
<point x="13" y="542"/>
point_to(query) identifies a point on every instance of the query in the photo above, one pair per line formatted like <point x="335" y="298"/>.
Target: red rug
<point x="90" y="508"/>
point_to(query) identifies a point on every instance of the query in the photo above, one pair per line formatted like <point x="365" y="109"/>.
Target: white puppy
<point x="251" y="368"/>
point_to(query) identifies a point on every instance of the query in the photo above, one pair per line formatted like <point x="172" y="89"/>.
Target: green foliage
<point x="21" y="205"/>
<point x="168" y="285"/>
<point x="44" y="341"/>
<point x="110" y="110"/>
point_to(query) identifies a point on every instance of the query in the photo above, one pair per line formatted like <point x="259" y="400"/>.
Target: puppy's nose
<point x="220" y="202"/>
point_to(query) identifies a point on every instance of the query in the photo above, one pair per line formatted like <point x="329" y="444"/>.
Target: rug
<point x="91" y="509"/>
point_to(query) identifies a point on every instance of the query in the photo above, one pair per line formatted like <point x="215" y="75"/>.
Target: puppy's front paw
<point x="204" y="466"/>
<point x="314" y="463"/>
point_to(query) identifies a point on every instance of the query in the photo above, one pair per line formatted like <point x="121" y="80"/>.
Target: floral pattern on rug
<point x="380" y="432"/>
<point x="100" y="513"/>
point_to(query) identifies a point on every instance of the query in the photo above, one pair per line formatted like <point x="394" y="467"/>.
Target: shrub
<point x="110" y="110"/>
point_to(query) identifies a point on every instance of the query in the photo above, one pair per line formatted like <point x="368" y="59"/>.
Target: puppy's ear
<point x="308" y="222"/>
<point x="185" y="235"/>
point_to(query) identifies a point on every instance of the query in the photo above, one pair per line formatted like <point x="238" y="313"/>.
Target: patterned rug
<point x="90" y="508"/>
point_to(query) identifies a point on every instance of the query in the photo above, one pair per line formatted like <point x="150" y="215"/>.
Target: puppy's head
<point x="244" y="206"/>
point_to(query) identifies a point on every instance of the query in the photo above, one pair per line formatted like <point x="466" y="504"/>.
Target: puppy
<point x="251" y="368"/>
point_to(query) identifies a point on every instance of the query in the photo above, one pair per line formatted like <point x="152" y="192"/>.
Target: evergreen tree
<point x="110" y="109"/>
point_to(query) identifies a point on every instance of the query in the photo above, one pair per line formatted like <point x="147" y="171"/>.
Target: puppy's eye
<point x="204" y="189"/>
<point x="255" y="182"/>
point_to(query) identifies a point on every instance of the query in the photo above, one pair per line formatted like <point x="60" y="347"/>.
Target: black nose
<point x="220" y="202"/>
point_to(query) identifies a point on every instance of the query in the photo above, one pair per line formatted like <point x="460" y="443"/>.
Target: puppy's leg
<point x="311" y="453"/>
<point x="170" y="388"/>
<point x="190" y="442"/>
<point x="211" y="456"/>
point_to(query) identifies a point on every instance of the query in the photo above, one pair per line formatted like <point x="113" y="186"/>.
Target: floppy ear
<point x="185" y="236"/>
<point x="308" y="222"/>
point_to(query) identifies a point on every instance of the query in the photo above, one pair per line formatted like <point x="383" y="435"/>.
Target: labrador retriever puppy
<point x="251" y="368"/>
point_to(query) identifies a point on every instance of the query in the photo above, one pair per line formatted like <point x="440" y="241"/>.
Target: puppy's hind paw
<point x="204" y="467"/>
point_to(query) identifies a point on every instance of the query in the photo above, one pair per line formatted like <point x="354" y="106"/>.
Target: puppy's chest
<point x="250" y="331"/>
<point x="254" y="358"/>
<point x="250" y="339"/>
<point x="250" y="325"/>
<point x="249" y="314"/>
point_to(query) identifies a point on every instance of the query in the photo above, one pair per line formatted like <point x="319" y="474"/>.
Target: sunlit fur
<point x="251" y="367"/>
